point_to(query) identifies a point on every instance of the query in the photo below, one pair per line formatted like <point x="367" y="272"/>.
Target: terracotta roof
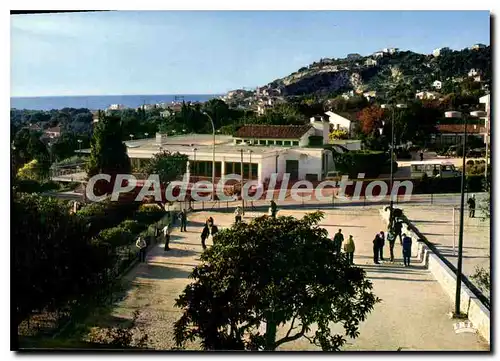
<point x="459" y="128"/>
<point x="272" y="131"/>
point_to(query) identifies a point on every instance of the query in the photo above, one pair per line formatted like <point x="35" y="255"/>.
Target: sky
<point x="211" y="52"/>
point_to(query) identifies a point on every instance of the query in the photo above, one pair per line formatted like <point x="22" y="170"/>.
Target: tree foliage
<point x="274" y="272"/>
<point x="371" y="119"/>
<point x="168" y="166"/>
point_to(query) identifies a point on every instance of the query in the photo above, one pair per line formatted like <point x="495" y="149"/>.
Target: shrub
<point x="149" y="213"/>
<point x="115" y="236"/>
<point x="470" y="162"/>
<point x="131" y="225"/>
<point x="34" y="186"/>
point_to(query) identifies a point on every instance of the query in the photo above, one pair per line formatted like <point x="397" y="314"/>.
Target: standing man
<point x="166" y="235"/>
<point x="421" y="155"/>
<point x="349" y="249"/>
<point x="237" y="214"/>
<point x="376" y="248"/>
<point x="141" y="244"/>
<point x="209" y="231"/>
<point x="382" y="244"/>
<point x="337" y="241"/>
<point x="391" y="237"/>
<point x="398" y="228"/>
<point x="471" y="202"/>
<point x="183" y="217"/>
<point x="406" y="250"/>
<point x="274" y="208"/>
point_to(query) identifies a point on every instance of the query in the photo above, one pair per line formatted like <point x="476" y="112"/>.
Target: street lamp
<point x="455" y="114"/>
<point x="213" y="155"/>
<point x="194" y="162"/>
<point x="146" y="134"/>
<point x="79" y="146"/>
<point x="131" y="136"/>
<point x="400" y="106"/>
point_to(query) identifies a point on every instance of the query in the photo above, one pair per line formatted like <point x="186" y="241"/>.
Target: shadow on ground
<point x="156" y="271"/>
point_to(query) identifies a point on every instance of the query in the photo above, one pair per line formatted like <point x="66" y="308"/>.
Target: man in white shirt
<point x="141" y="244"/>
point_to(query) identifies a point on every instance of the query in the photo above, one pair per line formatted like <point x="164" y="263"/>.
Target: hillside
<point x="382" y="72"/>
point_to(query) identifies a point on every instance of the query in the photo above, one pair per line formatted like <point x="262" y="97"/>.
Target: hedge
<point x="371" y="163"/>
<point x="33" y="186"/>
<point x="473" y="183"/>
<point x="149" y="213"/>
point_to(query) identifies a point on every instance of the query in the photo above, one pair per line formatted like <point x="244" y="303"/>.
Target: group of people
<point x="378" y="244"/>
<point x="272" y="211"/>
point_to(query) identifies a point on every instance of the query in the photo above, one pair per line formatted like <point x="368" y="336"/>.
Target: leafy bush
<point x="470" y="162"/>
<point x="33" y="186"/>
<point x="131" y="225"/>
<point x="149" y="213"/>
<point x="115" y="236"/>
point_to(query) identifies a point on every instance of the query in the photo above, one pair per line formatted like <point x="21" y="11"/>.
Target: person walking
<point x="349" y="249"/>
<point x="209" y="231"/>
<point x="273" y="208"/>
<point x="471" y="202"/>
<point x="337" y="241"/>
<point x="141" y="244"/>
<point x="382" y="244"/>
<point x="406" y="250"/>
<point x="376" y="248"/>
<point x="237" y="214"/>
<point x="391" y="238"/>
<point x="183" y="218"/>
<point x="166" y="235"/>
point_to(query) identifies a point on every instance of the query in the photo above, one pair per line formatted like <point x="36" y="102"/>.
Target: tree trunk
<point x="270" y="333"/>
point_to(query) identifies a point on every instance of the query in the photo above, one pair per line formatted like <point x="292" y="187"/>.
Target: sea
<point x="99" y="102"/>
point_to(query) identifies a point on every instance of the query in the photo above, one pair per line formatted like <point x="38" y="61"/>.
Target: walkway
<point x="413" y="313"/>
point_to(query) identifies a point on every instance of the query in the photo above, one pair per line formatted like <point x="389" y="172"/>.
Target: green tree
<point x="108" y="153"/>
<point x="33" y="171"/>
<point x="168" y="166"/>
<point x="277" y="272"/>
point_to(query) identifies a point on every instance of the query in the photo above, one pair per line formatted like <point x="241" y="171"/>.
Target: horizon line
<point x="110" y="95"/>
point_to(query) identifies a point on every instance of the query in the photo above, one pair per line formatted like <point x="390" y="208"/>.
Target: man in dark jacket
<point x="337" y="241"/>
<point x="209" y="230"/>
<point x="274" y="208"/>
<point x="398" y="228"/>
<point x="471" y="202"/>
<point x="406" y="250"/>
<point x="377" y="242"/>
<point x="183" y="218"/>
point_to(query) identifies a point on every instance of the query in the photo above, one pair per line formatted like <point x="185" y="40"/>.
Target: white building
<point x="439" y="51"/>
<point x="339" y="122"/>
<point x="427" y="95"/>
<point x="116" y="107"/>
<point x="390" y="50"/>
<point x="370" y="95"/>
<point x="477" y="46"/>
<point x="370" y="62"/>
<point x="437" y="84"/>
<point x="477" y="78"/>
<point x="165" y="113"/>
<point x="378" y="54"/>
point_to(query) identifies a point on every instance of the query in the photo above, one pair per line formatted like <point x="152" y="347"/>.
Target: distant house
<point x="261" y="108"/>
<point x="370" y="62"/>
<point x="451" y="134"/>
<point x="370" y="95"/>
<point x="477" y="78"/>
<point x="437" y="84"/>
<point x="427" y="95"/>
<point x="54" y="132"/>
<point x="439" y="51"/>
<point x="116" y="107"/>
<point x="472" y="73"/>
<point x="165" y="113"/>
<point x="348" y="95"/>
<point x="34" y="127"/>
<point x="477" y="46"/>
<point x="378" y="54"/>
<point x="354" y="56"/>
<point x="338" y="121"/>
<point x="390" y="50"/>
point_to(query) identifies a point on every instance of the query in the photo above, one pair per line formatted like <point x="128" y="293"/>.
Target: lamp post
<point x="454" y="114"/>
<point x="131" y="136"/>
<point x="146" y="134"/>
<point x="79" y="146"/>
<point x="401" y="106"/>
<point x="194" y="163"/>
<point x="241" y="182"/>
<point x="213" y="155"/>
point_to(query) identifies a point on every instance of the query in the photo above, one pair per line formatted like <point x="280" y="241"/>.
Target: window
<point x="295" y="143"/>
<point x="238" y="141"/>
<point x="279" y="142"/>
<point x="262" y="142"/>
<point x="270" y="142"/>
<point x="287" y="143"/>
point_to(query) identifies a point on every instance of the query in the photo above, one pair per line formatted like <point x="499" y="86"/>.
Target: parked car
<point x="333" y="175"/>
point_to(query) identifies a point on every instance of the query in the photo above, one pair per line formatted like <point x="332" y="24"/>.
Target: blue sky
<point x="168" y="52"/>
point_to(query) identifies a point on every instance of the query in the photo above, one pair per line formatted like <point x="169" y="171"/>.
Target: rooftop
<point x="272" y="131"/>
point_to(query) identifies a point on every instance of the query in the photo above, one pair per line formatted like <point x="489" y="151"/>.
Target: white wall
<point x="339" y="122"/>
<point x="304" y="140"/>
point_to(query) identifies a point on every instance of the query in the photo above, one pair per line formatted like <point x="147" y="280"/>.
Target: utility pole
<point x="241" y="183"/>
